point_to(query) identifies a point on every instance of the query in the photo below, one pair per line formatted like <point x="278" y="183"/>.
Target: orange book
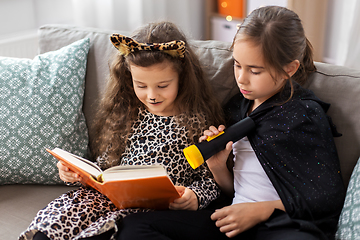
<point x="126" y="186"/>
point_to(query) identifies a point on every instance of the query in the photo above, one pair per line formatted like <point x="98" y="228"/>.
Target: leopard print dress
<point x="85" y="212"/>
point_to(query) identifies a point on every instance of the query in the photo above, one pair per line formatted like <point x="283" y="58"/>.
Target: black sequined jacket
<point x="293" y="141"/>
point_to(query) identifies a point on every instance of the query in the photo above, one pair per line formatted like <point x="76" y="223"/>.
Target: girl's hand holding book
<point x="66" y="174"/>
<point x="188" y="200"/>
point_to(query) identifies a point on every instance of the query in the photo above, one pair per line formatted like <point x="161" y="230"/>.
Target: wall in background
<point x="18" y="16"/>
<point x="25" y="16"/>
<point x="332" y="30"/>
<point x="332" y="26"/>
<point x="22" y="18"/>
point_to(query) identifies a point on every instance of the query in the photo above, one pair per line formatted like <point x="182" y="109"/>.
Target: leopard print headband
<point x="127" y="45"/>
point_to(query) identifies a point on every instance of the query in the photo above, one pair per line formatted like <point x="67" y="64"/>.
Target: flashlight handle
<point x="233" y="133"/>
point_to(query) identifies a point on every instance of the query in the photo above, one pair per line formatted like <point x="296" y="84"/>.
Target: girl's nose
<point x="241" y="77"/>
<point x="152" y="94"/>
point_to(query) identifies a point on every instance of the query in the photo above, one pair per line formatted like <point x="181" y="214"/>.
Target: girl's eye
<point x="141" y="86"/>
<point x="237" y="66"/>
<point x="163" y="86"/>
<point x="255" y="71"/>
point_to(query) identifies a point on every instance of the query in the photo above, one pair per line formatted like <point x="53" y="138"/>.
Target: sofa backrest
<point x="340" y="86"/>
<point x="337" y="85"/>
<point x="53" y="37"/>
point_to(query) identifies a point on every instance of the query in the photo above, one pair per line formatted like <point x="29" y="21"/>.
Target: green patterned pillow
<point x="349" y="222"/>
<point x="41" y="107"/>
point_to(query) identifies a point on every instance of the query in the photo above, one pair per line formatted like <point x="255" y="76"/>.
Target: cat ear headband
<point x="127" y="45"/>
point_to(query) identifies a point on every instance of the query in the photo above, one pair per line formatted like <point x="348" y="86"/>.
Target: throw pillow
<point x="41" y="107"/>
<point x="349" y="222"/>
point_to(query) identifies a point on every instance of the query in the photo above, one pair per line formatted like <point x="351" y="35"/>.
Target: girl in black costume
<point x="285" y="180"/>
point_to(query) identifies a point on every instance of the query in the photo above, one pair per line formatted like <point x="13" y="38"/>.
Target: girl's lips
<point x="244" y="91"/>
<point x="155" y="104"/>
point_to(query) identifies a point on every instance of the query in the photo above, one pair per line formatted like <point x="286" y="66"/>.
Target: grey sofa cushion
<point x="340" y="86"/>
<point x="20" y="203"/>
<point x="217" y="62"/>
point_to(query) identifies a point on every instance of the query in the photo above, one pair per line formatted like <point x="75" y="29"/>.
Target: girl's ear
<point x="292" y="67"/>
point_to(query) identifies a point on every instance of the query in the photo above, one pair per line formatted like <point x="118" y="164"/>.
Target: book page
<point x="82" y="163"/>
<point x="133" y="172"/>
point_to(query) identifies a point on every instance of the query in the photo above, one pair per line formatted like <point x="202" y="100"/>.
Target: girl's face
<point x="254" y="81"/>
<point x="156" y="87"/>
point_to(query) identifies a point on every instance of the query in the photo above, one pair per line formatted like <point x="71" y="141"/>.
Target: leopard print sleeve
<point x="200" y="180"/>
<point x="204" y="186"/>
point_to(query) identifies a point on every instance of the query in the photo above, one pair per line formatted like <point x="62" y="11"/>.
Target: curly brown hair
<point x="120" y="106"/>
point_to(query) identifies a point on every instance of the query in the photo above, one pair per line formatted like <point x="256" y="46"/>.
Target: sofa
<point x="20" y="200"/>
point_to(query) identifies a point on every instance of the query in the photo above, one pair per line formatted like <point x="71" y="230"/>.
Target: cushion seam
<point x="337" y="75"/>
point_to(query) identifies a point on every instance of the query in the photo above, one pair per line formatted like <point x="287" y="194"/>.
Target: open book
<point x="126" y="186"/>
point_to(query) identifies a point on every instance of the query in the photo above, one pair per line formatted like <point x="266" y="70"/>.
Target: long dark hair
<point x="119" y="107"/>
<point x="280" y="34"/>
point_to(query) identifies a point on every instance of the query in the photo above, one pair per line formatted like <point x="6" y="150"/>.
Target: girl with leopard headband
<point x="157" y="102"/>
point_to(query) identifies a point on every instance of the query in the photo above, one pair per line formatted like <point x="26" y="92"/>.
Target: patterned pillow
<point x="41" y="107"/>
<point x="349" y="222"/>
